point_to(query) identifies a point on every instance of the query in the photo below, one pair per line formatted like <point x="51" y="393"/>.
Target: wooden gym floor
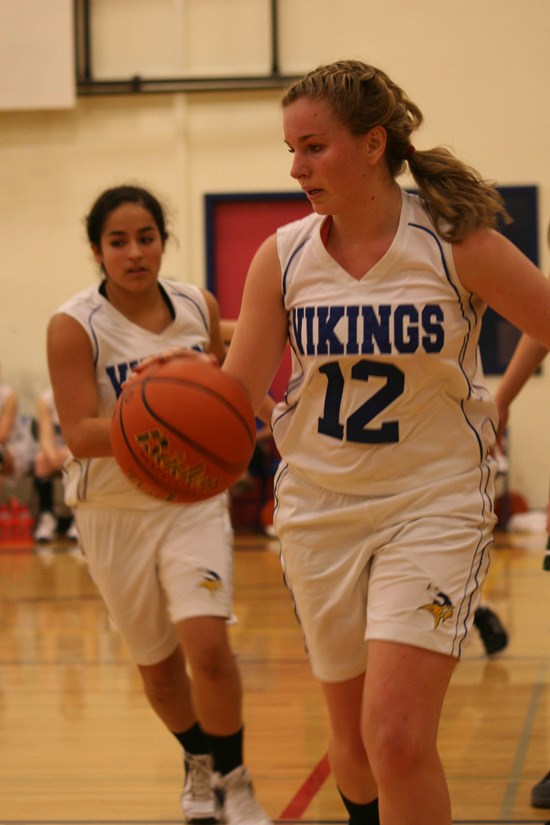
<point x="78" y="744"/>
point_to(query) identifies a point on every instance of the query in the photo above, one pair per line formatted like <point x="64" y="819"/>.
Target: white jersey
<point x="386" y="392"/>
<point x="118" y="345"/>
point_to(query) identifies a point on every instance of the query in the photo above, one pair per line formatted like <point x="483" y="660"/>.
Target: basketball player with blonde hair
<point x="385" y="492"/>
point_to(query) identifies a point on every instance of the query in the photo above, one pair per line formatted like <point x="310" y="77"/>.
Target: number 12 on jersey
<point x="355" y="428"/>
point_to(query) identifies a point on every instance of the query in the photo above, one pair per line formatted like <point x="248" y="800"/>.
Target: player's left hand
<point x="170" y="354"/>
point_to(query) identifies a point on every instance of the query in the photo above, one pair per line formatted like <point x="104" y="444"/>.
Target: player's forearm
<point x="527" y="357"/>
<point x="91" y="438"/>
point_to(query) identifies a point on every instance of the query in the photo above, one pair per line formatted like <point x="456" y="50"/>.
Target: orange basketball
<point x="183" y="430"/>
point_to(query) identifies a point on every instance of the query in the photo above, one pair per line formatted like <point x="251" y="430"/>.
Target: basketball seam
<point x="229" y="467"/>
<point x="161" y="484"/>
<point x="139" y="461"/>
<point x="206" y="390"/>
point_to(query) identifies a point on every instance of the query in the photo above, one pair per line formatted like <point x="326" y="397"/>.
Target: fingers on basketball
<point x="183" y="430"/>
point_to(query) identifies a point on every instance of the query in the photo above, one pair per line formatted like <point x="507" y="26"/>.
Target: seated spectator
<point x="17" y="445"/>
<point x="49" y="460"/>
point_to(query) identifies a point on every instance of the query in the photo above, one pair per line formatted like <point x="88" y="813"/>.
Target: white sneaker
<point x="46" y="528"/>
<point x="199" y="802"/>
<point x="71" y="533"/>
<point x="240" y="806"/>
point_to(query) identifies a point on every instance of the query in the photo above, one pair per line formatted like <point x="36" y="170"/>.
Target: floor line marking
<point x="306" y="793"/>
<point x="511" y="793"/>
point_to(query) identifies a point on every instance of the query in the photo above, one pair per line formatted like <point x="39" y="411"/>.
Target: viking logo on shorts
<point x="210" y="581"/>
<point x="441" y="607"/>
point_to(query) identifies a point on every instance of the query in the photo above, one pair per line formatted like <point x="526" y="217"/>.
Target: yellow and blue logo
<point x="211" y="581"/>
<point x="441" y="607"/>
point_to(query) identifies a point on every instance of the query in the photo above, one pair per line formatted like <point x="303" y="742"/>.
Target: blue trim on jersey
<point x="473" y="429"/>
<point x="446" y="271"/>
<point x="291" y="384"/>
<point x="195" y="304"/>
<point x="283" y="414"/>
<point x="92" y="333"/>
<point x="82" y="484"/>
<point x="483" y="492"/>
<point x="287" y="267"/>
<point x="282" y="470"/>
<point x="459" y="300"/>
<point x="480" y="554"/>
<point x="468" y="322"/>
<point x="445" y="267"/>
<point x="297" y="380"/>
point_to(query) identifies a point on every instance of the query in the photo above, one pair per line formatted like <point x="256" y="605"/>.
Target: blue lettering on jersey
<point x="118" y="374"/>
<point x="432" y="324"/>
<point x="328" y="342"/>
<point x="406" y="328"/>
<point x="352" y="315"/>
<point x="350" y="330"/>
<point x="377" y="328"/>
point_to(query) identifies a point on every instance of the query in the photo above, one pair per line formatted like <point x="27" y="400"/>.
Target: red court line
<point x="305" y="794"/>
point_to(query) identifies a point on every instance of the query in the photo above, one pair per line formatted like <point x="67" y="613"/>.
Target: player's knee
<point x="205" y="645"/>
<point x="214" y="662"/>
<point x="348" y="751"/>
<point x="161" y="688"/>
<point x="396" y="749"/>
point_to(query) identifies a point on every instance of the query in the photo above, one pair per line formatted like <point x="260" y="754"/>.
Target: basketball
<point x="183" y="430"/>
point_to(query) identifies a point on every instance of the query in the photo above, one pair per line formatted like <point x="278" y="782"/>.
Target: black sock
<point x="366" y="814"/>
<point x="193" y="740"/>
<point x="44" y="488"/>
<point x="227" y="751"/>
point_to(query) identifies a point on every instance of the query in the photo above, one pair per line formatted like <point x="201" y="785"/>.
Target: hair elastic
<point x="409" y="151"/>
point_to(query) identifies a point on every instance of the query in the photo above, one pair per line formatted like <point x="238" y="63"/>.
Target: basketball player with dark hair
<point x="164" y="570"/>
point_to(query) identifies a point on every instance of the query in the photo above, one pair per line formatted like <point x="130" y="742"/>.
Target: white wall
<point x="36" y="54"/>
<point x="478" y="69"/>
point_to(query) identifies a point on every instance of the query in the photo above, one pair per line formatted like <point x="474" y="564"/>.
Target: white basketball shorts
<point x="156" y="568"/>
<point x="406" y="568"/>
